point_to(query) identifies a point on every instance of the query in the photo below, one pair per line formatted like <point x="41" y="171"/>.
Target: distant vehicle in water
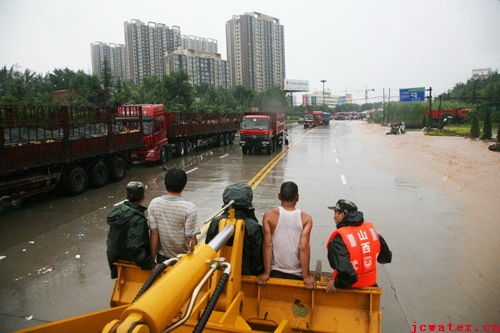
<point x="327" y="116"/>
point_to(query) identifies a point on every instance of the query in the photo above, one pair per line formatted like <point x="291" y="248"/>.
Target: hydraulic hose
<point x="154" y="275"/>
<point x="213" y="300"/>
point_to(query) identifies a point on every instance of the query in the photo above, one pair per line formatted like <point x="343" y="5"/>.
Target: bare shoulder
<point x="272" y="212"/>
<point x="306" y="218"/>
<point x="271" y="216"/>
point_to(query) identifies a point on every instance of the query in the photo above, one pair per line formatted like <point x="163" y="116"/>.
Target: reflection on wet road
<point x="435" y="277"/>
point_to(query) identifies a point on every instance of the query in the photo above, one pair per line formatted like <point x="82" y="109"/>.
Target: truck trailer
<point x="66" y="147"/>
<point x="262" y="131"/>
<point x="177" y="133"/>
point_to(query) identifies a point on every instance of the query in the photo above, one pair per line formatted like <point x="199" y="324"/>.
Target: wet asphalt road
<point x="54" y="247"/>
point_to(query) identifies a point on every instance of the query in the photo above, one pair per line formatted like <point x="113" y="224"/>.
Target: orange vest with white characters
<point x="363" y="245"/>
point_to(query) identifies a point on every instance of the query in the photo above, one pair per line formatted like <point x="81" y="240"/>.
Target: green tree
<point x="242" y="98"/>
<point x="273" y="99"/>
<point x="474" y="129"/>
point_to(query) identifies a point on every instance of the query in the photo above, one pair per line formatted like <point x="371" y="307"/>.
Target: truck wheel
<point x="78" y="181"/>
<point x="117" y="169"/>
<point x="163" y="155"/>
<point x="179" y="149"/>
<point x="221" y="140"/>
<point x="99" y="175"/>
<point x="188" y="147"/>
<point x="244" y="150"/>
<point x="231" y="138"/>
<point x="226" y="139"/>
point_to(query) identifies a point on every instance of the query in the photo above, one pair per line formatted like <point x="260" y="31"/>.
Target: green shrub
<point x="474" y="129"/>
<point x="487" y="125"/>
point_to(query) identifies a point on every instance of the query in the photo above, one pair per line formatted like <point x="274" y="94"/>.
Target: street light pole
<point x="323" y="81"/>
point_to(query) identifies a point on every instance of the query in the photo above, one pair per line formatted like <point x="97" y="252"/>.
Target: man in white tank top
<point x="286" y="248"/>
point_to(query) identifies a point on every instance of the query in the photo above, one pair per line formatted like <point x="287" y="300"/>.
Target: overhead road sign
<point x="412" y="94"/>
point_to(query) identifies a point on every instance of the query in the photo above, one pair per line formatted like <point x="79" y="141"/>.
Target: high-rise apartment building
<point x="256" y="51"/>
<point x="154" y="49"/>
<point x="113" y="55"/>
<point x="199" y="44"/>
<point x="146" y="45"/>
<point x="201" y="67"/>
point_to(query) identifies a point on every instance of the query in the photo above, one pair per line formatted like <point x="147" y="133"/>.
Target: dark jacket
<point x="252" y="262"/>
<point x="339" y="257"/>
<point x="128" y="237"/>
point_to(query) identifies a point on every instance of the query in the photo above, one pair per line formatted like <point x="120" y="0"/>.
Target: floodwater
<point x="435" y="202"/>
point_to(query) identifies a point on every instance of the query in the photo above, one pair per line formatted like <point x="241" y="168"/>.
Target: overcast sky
<point x="353" y="44"/>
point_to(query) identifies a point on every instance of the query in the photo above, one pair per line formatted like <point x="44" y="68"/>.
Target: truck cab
<point x="154" y="130"/>
<point x="262" y="131"/>
<point x="308" y="120"/>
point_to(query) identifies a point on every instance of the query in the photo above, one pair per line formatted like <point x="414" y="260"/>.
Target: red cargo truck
<point x="45" y="147"/>
<point x="455" y="115"/>
<point x="176" y="133"/>
<point x="313" y="119"/>
<point x="262" y="131"/>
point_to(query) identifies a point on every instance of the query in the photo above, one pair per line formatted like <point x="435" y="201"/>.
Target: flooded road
<point x="444" y="270"/>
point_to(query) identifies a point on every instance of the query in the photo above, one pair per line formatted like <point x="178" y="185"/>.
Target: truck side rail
<point x="189" y="124"/>
<point x="34" y="136"/>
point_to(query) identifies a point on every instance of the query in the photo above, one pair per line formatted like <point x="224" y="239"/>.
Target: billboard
<point x="296" y="85"/>
<point x="412" y="94"/>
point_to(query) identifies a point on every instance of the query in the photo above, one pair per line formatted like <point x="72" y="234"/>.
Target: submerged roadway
<point x="53" y="253"/>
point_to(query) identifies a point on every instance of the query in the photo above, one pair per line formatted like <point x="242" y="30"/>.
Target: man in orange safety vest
<point x="354" y="249"/>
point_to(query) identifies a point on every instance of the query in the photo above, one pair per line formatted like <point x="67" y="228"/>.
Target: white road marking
<point x="343" y="179"/>
<point x="119" y="203"/>
<point x="192" y="170"/>
<point x="223" y="156"/>
<point x="337" y="161"/>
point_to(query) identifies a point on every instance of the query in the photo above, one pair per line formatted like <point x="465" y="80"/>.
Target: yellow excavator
<point x="204" y="291"/>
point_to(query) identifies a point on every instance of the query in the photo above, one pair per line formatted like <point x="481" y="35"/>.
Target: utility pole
<point x="384" y="116"/>
<point x="429" y="117"/>
<point x="323" y="81"/>
<point x="366" y="94"/>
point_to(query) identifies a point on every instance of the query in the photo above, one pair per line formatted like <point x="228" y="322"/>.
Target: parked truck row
<point x="72" y="148"/>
